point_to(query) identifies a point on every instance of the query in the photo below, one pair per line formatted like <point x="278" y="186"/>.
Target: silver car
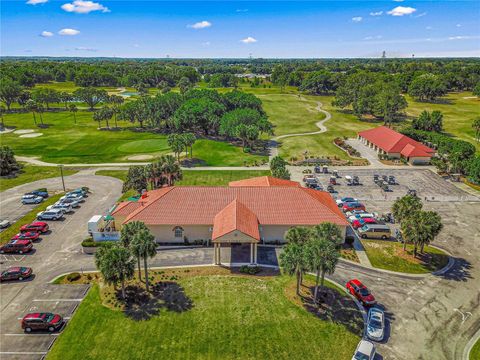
<point x="376" y="324"/>
<point x="364" y="351"/>
<point x="53" y="214"/>
<point x="66" y="208"/>
<point x="31" y="199"/>
<point x="4" y="224"/>
<point x="74" y="196"/>
<point x="69" y="201"/>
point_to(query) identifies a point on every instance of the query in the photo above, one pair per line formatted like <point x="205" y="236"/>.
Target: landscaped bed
<point x="209" y="313"/>
<point x="389" y="255"/>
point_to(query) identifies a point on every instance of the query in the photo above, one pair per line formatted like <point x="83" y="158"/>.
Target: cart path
<point x="319" y="124"/>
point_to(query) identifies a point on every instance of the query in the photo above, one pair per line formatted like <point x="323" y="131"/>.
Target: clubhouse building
<point x="252" y="211"/>
<point x="389" y="142"/>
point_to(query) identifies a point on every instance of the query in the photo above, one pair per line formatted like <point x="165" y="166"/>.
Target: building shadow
<point x="141" y="305"/>
<point x="268" y="255"/>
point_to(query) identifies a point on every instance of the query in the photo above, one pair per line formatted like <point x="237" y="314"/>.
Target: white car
<point x="66" y="208"/>
<point x="31" y="199"/>
<point x="4" y="224"/>
<point x="53" y="214"/>
<point x="342" y="201"/>
<point x="69" y="201"/>
<point x="359" y="216"/>
<point x="365" y="351"/>
<point x="376" y="324"/>
<point x="73" y="196"/>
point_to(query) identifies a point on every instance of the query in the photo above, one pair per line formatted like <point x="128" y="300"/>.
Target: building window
<point x="178" y="231"/>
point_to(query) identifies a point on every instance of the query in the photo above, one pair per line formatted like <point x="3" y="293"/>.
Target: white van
<point x="375" y="231"/>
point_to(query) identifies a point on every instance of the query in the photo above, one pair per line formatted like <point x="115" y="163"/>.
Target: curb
<point x="470" y="345"/>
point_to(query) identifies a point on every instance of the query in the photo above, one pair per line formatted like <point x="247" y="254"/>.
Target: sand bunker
<point x="6" y="130"/>
<point x="140" y="157"/>
<point x="26" y="131"/>
<point x="31" y="135"/>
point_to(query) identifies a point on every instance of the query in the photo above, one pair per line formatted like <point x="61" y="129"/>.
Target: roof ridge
<point x="310" y="192"/>
<point x="143" y="207"/>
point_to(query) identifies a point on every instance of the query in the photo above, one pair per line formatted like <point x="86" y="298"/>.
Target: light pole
<point x="61" y="174"/>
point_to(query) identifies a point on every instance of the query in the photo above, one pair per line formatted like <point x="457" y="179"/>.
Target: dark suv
<point x="16" y="247"/>
<point x="41" y="321"/>
<point x="16" y="273"/>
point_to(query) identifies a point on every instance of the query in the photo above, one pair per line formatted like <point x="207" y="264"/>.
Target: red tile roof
<point x="264" y="181"/>
<point x="126" y="207"/>
<point x="271" y="205"/>
<point x="235" y="216"/>
<point x="391" y="141"/>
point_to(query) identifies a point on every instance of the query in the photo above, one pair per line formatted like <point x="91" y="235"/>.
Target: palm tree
<point x="73" y="109"/>
<point x="171" y="169"/>
<point x="294" y="261"/>
<point x="127" y="234"/>
<point x="98" y="116"/>
<point x="404" y="208"/>
<point x="298" y="235"/>
<point x="116" y="265"/>
<point x="189" y="139"/>
<point x="476" y="126"/>
<point x="322" y="252"/>
<point x="31" y="105"/>
<point x="144" y="246"/>
<point x="2" y="112"/>
<point x="40" y="110"/>
<point x="432" y="222"/>
<point x="65" y="97"/>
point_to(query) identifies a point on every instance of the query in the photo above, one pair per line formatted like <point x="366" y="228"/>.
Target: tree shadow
<point x="460" y="271"/>
<point x="141" y="305"/>
<point x="336" y="308"/>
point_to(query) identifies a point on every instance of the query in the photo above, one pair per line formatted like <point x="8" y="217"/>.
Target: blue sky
<point x="239" y="28"/>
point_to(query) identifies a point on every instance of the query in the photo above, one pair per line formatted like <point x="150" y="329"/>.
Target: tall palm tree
<point x="31" y="105"/>
<point x="40" y="110"/>
<point x="171" y="169"/>
<point x="298" y="235"/>
<point x="144" y="246"/>
<point x="73" y="109"/>
<point x="116" y="265"/>
<point x="127" y="234"/>
<point x="432" y="223"/>
<point x="294" y="261"/>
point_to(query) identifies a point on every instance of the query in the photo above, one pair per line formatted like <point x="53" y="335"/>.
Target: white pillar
<point x="215" y="253"/>
<point x="251" y="253"/>
<point x="219" y="254"/>
<point x="255" y="252"/>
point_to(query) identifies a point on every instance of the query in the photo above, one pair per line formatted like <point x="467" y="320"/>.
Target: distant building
<point x="387" y="141"/>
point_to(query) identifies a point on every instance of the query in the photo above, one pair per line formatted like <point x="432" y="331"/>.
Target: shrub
<point x="90" y="243"/>
<point x="250" y="270"/>
<point x="349" y="240"/>
<point x="73" y="277"/>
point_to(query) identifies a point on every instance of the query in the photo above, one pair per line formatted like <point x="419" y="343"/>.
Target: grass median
<point x="7" y="234"/>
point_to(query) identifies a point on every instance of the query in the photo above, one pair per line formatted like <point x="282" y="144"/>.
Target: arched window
<point x="178" y="232"/>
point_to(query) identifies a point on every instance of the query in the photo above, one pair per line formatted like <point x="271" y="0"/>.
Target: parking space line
<point x="30" y="334"/>
<point x="23" y="352"/>
<point x="58" y="300"/>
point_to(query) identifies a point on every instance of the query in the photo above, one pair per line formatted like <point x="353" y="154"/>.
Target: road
<point x="431" y="317"/>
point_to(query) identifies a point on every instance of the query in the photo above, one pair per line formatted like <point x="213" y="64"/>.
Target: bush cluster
<point x="250" y="270"/>
<point x="73" y="277"/>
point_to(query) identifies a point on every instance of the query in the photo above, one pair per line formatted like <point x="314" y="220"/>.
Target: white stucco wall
<point x="165" y="233"/>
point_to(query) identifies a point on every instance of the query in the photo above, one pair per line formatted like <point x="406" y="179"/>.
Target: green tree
<point x="73" y="109"/>
<point x="171" y="169"/>
<point x="404" y="208"/>
<point x="199" y="113"/>
<point x="388" y="102"/>
<point x="116" y="101"/>
<point x="294" y="262"/>
<point x="46" y="96"/>
<point x="40" y="111"/>
<point x="476" y="89"/>
<point x="32" y="106"/>
<point x="278" y="168"/>
<point x="115" y="264"/>
<point x="8" y="164"/>
<point x="473" y="170"/>
<point x="9" y="91"/>
<point x="91" y="96"/>
<point x="127" y="236"/>
<point x="135" y="179"/>
<point x="189" y="140"/>
<point x="476" y="127"/>
<point x="184" y="85"/>
<point x="144" y="246"/>
<point x="427" y="87"/>
<point x="421" y="228"/>
<point x="176" y="143"/>
<point x="2" y="112"/>
<point x="322" y="253"/>
<point x="65" y="97"/>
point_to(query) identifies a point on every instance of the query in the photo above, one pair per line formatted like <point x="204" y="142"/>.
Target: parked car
<point x="66" y="208"/>
<point x="16" y="247"/>
<point x="31" y="199"/>
<point x="353" y="206"/>
<point x="358" y="223"/>
<point x="73" y="202"/>
<point x="77" y="197"/>
<point x="39" y="192"/>
<point x="365" y="351"/>
<point x="342" y="201"/>
<point x="79" y="191"/>
<point x="38" y="226"/>
<point x="375" y="231"/>
<point x="41" y="321"/>
<point x="16" y="273"/>
<point x="361" y="292"/>
<point x="354" y="212"/>
<point x="4" y="223"/>
<point x="54" y="214"/>
<point x="376" y="324"/>
<point x="27" y="235"/>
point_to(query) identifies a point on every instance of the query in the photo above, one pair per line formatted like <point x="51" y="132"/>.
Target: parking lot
<point x="429" y="186"/>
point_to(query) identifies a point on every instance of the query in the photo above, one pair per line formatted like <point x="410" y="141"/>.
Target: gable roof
<point x="189" y="205"/>
<point x="235" y="216"/>
<point x="264" y="181"/>
<point x="393" y="142"/>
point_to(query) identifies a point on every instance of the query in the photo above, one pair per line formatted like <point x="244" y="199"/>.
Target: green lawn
<point x="31" y="173"/>
<point x="63" y="141"/>
<point x="475" y="352"/>
<point x="390" y="256"/>
<point x="6" y="235"/>
<point x="459" y="110"/>
<point x="230" y="317"/>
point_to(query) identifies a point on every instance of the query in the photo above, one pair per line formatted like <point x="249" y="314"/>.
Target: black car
<point x="39" y="192"/>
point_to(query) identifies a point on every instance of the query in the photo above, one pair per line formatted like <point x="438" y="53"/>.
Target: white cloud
<point x="82" y="48"/>
<point x="241" y="10"/>
<point x="421" y="14"/>
<point x="429" y="28"/>
<point x="458" y="25"/>
<point x="68" y="32"/>
<point x="84" y="7"/>
<point x="249" y="40"/>
<point x="200" y="25"/>
<point x="206" y="43"/>
<point x="464" y="37"/>
<point x="46" y="34"/>
<point x="377" y="37"/>
<point x="398" y="0"/>
<point x="402" y="10"/>
<point x="376" y="13"/>
<point x="35" y="2"/>
<point x="357" y="19"/>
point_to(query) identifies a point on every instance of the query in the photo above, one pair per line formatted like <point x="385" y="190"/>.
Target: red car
<point x="41" y="321"/>
<point x="29" y="235"/>
<point x="16" y="246"/>
<point x="361" y="292"/>
<point x="353" y="206"/>
<point x="16" y="273"/>
<point x="360" y="222"/>
<point x="38" y="226"/>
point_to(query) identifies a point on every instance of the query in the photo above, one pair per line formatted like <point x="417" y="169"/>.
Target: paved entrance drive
<point x="366" y="152"/>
